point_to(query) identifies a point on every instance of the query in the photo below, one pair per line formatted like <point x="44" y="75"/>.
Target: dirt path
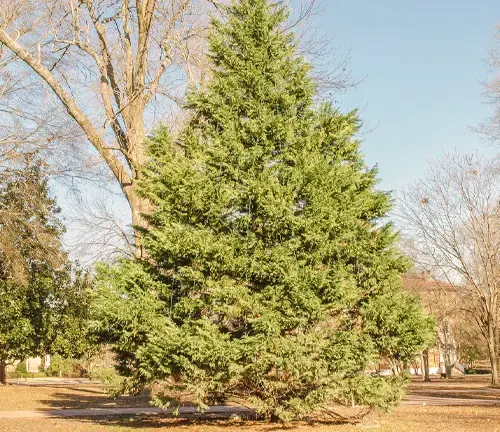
<point x="43" y="382"/>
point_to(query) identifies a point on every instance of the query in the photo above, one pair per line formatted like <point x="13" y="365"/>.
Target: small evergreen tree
<point x="269" y="267"/>
<point x="30" y="231"/>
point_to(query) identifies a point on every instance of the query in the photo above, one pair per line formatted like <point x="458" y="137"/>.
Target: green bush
<point x="21" y="368"/>
<point x="22" y="372"/>
<point x="470" y="371"/>
<point x="105" y="374"/>
<point x="110" y="378"/>
<point x="63" y="367"/>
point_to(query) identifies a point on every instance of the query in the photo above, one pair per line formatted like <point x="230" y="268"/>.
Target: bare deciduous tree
<point x="106" y="62"/>
<point x="98" y="228"/>
<point x="452" y="217"/>
<point x="490" y="127"/>
<point x="440" y="301"/>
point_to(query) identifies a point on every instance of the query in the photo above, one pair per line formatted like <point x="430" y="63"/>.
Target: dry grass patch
<point x="19" y="397"/>
<point x="467" y="387"/>
<point x="404" y="419"/>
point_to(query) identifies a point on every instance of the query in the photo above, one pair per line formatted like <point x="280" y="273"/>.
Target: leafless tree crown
<point x="452" y="218"/>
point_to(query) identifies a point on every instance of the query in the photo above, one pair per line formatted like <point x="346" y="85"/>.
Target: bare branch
<point x="452" y="221"/>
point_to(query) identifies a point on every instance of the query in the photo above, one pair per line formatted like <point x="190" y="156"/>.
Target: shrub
<point x="21" y="368"/>
<point x="63" y="367"/>
<point x="110" y="378"/>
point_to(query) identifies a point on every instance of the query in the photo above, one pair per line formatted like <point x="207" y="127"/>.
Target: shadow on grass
<point x="79" y="398"/>
<point x="219" y="421"/>
<point x="96" y="398"/>
<point x="66" y="387"/>
<point x="446" y="418"/>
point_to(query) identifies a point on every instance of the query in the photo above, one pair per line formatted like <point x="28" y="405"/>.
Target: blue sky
<point x="422" y="62"/>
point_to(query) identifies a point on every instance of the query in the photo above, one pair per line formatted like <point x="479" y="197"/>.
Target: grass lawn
<point x="465" y="387"/>
<point x="21" y="398"/>
<point x="404" y="419"/>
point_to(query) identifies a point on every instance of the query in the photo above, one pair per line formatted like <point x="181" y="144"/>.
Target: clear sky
<point x="422" y="62"/>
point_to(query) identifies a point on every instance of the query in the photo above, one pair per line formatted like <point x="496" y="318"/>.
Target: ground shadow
<point x="466" y="387"/>
<point x="93" y="398"/>
<point x="88" y="398"/>
<point x="243" y="421"/>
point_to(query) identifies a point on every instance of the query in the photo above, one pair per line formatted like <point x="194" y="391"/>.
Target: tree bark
<point x="425" y="356"/>
<point x="498" y="365"/>
<point x="494" y="369"/>
<point x="448" y="369"/>
<point x="42" y="363"/>
<point x="133" y="116"/>
<point x="3" y="372"/>
<point x="139" y="207"/>
<point x="493" y="353"/>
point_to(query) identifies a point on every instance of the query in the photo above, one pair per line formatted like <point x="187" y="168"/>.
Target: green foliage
<point x="59" y="301"/>
<point x="21" y="368"/>
<point x="62" y="367"/>
<point x="106" y="375"/>
<point x="43" y="300"/>
<point x="27" y="221"/>
<point x="16" y="331"/>
<point x="270" y="274"/>
<point x="31" y="230"/>
<point x="399" y="327"/>
<point x="109" y="377"/>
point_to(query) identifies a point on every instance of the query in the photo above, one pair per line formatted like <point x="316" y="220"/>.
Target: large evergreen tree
<point x="269" y="265"/>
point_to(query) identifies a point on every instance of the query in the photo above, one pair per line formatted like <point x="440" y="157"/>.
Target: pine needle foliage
<point x="269" y="265"/>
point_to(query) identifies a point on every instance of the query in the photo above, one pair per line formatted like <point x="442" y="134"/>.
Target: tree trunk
<point x="137" y="154"/>
<point x="42" y="363"/>
<point x="3" y="372"/>
<point x="494" y="369"/>
<point x="130" y="138"/>
<point x="139" y="207"/>
<point x="493" y="354"/>
<point x="405" y="367"/>
<point x="425" y="356"/>
<point x="448" y="369"/>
